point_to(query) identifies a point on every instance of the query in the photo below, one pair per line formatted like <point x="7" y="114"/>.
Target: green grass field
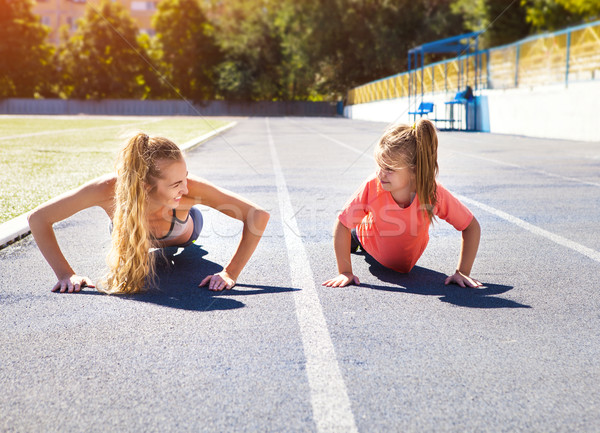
<point x="43" y="156"/>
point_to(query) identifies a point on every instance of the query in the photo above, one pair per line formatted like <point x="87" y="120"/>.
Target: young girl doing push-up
<point x="390" y="214"/>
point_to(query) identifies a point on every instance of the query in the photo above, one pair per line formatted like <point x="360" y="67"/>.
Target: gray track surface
<point x="521" y="354"/>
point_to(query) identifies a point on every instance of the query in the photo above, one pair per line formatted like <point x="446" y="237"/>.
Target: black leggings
<point x="354" y="242"/>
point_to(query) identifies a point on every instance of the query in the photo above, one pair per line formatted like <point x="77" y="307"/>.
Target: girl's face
<point x="396" y="179"/>
<point x="168" y="190"/>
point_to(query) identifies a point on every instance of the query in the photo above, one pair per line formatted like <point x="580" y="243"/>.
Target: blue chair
<point x="424" y="108"/>
<point x="462" y="98"/>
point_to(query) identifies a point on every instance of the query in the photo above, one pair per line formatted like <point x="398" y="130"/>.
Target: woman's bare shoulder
<point x="102" y="187"/>
<point x="106" y="180"/>
<point x="96" y="192"/>
<point x="198" y="186"/>
<point x="192" y="178"/>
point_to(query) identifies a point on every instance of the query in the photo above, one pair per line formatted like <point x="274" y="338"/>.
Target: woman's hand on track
<point x="72" y="283"/>
<point x="218" y="282"/>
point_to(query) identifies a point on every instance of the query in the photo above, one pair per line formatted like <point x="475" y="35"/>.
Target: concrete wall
<point x="446" y="116"/>
<point x="166" y="108"/>
<point x="571" y="113"/>
<point x="561" y="112"/>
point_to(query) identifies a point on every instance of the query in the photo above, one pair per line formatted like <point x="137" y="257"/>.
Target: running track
<point x="280" y="352"/>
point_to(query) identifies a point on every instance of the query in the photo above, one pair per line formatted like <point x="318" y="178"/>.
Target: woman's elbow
<point x="263" y="217"/>
<point x="35" y="218"/>
<point x="260" y="219"/>
<point x="41" y="217"/>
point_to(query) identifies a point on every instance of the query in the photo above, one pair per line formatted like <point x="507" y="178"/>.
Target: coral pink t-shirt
<point x="396" y="237"/>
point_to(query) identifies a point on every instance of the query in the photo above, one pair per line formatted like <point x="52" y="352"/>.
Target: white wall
<point x="571" y="113"/>
<point x="397" y="111"/>
<point x="557" y="111"/>
<point x="390" y="110"/>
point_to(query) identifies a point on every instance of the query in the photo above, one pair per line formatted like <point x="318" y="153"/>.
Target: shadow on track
<point x="178" y="273"/>
<point x="258" y="290"/>
<point x="422" y="281"/>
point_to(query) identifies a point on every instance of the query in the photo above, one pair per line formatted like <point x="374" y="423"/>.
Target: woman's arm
<point x="98" y="192"/>
<point x="468" y="251"/>
<point x="255" y="221"/>
<point x="342" y="244"/>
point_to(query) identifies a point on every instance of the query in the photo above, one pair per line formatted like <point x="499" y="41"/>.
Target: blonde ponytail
<point x="129" y="260"/>
<point x="426" y="165"/>
<point x="415" y="147"/>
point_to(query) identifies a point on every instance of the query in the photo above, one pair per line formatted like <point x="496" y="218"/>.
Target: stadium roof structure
<point x="448" y="45"/>
<point x="460" y="45"/>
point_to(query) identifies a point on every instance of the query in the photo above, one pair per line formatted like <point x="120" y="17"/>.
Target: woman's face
<point x="172" y="185"/>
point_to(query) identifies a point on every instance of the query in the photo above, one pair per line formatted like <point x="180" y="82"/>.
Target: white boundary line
<point x="18" y="227"/>
<point x="189" y="145"/>
<point x="347" y="146"/>
<point x="330" y="403"/>
<point x="534" y="170"/>
<point x="470" y="155"/>
<point x="588" y="252"/>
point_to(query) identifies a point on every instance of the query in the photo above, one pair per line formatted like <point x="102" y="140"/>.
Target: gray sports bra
<point x="177" y="228"/>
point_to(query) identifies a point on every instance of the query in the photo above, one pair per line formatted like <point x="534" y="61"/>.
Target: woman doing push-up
<point x="150" y="201"/>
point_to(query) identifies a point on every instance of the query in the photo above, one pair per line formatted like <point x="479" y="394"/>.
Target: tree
<point x="156" y="84"/>
<point x="545" y="15"/>
<point x="186" y="43"/>
<point x="252" y="52"/>
<point x="502" y="21"/>
<point x="588" y="9"/>
<point x="318" y="49"/>
<point x="297" y="74"/>
<point x="25" y="54"/>
<point x="357" y="41"/>
<point x="103" y="58"/>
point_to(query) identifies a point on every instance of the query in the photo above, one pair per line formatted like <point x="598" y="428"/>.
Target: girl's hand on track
<point x="463" y="280"/>
<point x="72" y="283"/>
<point x="218" y="282"/>
<point x="342" y="280"/>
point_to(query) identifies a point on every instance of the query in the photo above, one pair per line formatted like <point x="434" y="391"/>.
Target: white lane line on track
<point x="470" y="155"/>
<point x="588" y="252"/>
<point x="329" y="399"/>
<point x="64" y="131"/>
<point x="534" y="170"/>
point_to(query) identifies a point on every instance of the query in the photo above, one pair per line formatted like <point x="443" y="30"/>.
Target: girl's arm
<point x="255" y="221"/>
<point x="98" y="192"/>
<point x="341" y="244"/>
<point x="468" y="251"/>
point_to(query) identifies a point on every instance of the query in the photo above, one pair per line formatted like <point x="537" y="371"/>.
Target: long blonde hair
<point x="415" y="147"/>
<point x="130" y="263"/>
